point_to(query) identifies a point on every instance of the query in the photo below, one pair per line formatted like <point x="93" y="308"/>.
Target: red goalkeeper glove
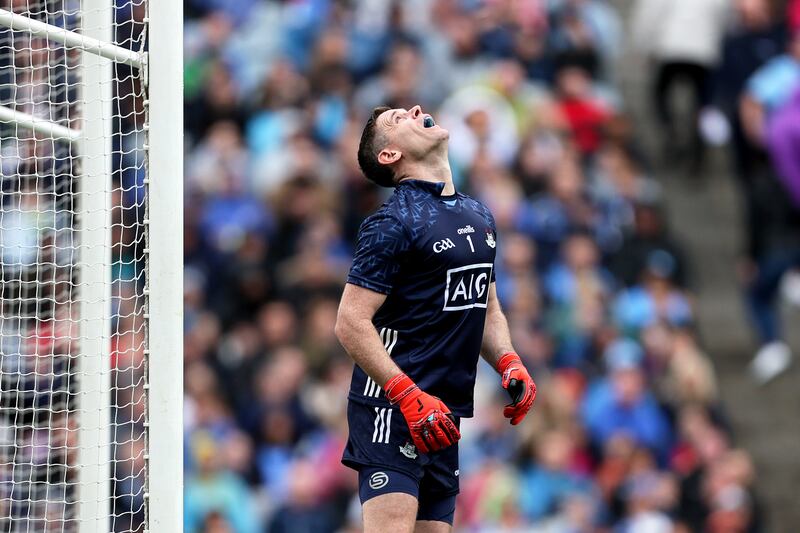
<point x="430" y="421"/>
<point x="519" y="384"/>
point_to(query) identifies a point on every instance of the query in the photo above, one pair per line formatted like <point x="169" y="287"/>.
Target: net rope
<point x="41" y="377"/>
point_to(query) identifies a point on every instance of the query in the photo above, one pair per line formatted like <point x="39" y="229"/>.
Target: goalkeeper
<point x="418" y="309"/>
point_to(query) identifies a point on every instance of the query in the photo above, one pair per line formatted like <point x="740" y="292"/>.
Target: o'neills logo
<point x="466" y="229"/>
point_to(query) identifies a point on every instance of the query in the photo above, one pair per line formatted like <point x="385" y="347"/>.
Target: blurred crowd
<point x="744" y="80"/>
<point x="627" y="433"/>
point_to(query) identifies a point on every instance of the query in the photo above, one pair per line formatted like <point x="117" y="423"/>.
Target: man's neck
<point x="436" y="171"/>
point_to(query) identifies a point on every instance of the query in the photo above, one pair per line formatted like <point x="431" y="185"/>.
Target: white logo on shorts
<point x="378" y="480"/>
<point x="409" y="450"/>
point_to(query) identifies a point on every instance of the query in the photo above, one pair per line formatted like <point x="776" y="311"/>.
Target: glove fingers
<point x="440" y="438"/>
<point x="529" y="397"/>
<point x="419" y="441"/>
<point x="516" y="412"/>
<point x="437" y="432"/>
<point x="446" y="424"/>
<point x="443" y="434"/>
<point x="510" y="409"/>
<point x="430" y="437"/>
<point x="526" y="399"/>
<point x="450" y="429"/>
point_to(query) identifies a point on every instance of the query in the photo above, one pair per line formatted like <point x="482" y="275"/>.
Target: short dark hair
<point x="372" y="142"/>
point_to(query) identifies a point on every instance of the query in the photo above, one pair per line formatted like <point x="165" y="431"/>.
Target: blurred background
<point x="642" y="159"/>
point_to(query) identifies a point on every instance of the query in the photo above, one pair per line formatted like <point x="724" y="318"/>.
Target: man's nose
<point x="415" y="111"/>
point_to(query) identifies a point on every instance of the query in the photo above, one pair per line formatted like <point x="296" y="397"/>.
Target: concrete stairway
<point x="705" y="216"/>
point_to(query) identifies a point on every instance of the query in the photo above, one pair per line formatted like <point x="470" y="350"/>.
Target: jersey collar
<point x="432" y="187"/>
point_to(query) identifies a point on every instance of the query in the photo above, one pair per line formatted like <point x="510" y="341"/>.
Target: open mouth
<point x="428" y="122"/>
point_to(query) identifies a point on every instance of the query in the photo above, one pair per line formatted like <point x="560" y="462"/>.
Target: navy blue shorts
<point x="381" y="450"/>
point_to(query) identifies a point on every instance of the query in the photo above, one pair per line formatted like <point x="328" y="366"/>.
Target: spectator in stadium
<point x="768" y="92"/>
<point x="783" y="136"/>
<point x="578" y="289"/>
<point x="649" y="236"/>
<point x="622" y="405"/>
<point x="683" y="37"/>
<point x="215" y="489"/>
<point x="585" y="113"/>
<point x="551" y="482"/>
<point x="769" y="89"/>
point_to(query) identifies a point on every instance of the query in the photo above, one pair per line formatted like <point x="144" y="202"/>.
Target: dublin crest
<point x="490" y="239"/>
<point x="408" y="450"/>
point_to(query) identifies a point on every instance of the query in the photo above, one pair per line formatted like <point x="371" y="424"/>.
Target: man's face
<point x="409" y="133"/>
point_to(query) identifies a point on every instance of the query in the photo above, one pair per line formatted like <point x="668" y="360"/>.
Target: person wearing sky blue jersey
<point x="418" y="310"/>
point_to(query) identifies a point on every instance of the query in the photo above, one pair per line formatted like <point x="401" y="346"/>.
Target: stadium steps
<point x="704" y="215"/>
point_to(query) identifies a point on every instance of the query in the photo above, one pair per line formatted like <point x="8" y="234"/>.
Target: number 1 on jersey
<point x="471" y="247"/>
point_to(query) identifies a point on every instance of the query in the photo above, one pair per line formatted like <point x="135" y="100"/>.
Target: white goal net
<point x="74" y="266"/>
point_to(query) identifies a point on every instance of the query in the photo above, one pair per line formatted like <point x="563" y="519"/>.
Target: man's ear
<point x="387" y="156"/>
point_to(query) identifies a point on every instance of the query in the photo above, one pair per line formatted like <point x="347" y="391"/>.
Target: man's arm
<point x="496" y="336"/>
<point x="497" y="350"/>
<point x="429" y="420"/>
<point x="358" y="335"/>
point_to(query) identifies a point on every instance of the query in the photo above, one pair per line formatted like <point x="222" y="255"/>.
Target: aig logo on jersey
<point x="444" y="244"/>
<point x="467" y="287"/>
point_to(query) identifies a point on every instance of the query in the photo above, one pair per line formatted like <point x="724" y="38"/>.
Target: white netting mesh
<point x="47" y="397"/>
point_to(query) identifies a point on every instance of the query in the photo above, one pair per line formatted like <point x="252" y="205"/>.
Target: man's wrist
<point x="506" y="359"/>
<point x="399" y="387"/>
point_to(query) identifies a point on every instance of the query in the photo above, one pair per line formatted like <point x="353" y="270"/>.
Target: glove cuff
<point x="399" y="387"/>
<point x="505" y="360"/>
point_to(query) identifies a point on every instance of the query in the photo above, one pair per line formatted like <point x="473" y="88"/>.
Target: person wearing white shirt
<point x="683" y="38"/>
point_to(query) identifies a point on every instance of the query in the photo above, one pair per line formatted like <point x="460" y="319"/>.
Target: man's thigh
<point x="395" y="511"/>
<point x="385" y="495"/>
<point x="435" y="513"/>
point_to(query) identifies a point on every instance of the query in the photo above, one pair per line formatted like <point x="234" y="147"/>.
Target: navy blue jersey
<point x="433" y="256"/>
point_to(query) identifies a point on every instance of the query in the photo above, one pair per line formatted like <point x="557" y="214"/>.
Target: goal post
<point x="165" y="266"/>
<point x="91" y="203"/>
<point x="93" y="270"/>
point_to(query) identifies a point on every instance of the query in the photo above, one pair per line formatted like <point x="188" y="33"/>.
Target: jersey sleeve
<point x="382" y="242"/>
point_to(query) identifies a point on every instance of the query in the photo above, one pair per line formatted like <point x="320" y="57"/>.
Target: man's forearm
<point x="361" y="341"/>
<point x="496" y="336"/>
